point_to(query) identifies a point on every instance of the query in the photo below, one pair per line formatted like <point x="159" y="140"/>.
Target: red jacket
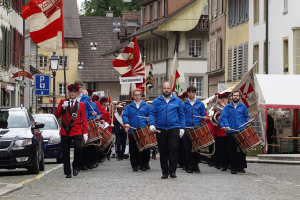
<point x="218" y="131"/>
<point x="76" y="129"/>
<point x="101" y="109"/>
<point x="108" y="120"/>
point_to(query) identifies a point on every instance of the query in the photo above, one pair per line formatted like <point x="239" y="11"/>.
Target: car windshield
<point x="13" y="119"/>
<point x="49" y="122"/>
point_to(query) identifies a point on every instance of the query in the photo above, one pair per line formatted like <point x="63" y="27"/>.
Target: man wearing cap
<point x="115" y="104"/>
<point x="124" y="104"/>
<point x="192" y="107"/>
<point x="72" y="131"/>
<point x="119" y="131"/>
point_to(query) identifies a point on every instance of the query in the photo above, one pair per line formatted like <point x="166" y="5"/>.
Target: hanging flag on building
<point x="46" y="23"/>
<point x="129" y="62"/>
<point x="178" y="90"/>
<point x="151" y="66"/>
<point x="173" y="72"/>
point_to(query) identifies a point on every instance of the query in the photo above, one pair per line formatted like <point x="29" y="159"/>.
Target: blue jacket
<point x="233" y="118"/>
<point x="131" y="113"/>
<point x="85" y="99"/>
<point x="167" y="115"/>
<point x="96" y="110"/>
<point x="197" y="109"/>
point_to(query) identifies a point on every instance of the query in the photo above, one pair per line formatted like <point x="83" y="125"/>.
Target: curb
<point x="273" y="161"/>
<point x="6" y="188"/>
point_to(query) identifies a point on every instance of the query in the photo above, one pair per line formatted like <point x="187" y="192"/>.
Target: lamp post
<point x="54" y="65"/>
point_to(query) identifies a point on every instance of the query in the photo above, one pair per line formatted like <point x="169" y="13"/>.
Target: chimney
<point x="109" y="13"/>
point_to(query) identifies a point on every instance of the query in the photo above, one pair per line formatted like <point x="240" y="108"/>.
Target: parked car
<point x="51" y="143"/>
<point x="21" y="141"/>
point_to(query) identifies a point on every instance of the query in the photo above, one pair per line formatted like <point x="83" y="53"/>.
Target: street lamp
<point x="54" y="65"/>
<point x="80" y="65"/>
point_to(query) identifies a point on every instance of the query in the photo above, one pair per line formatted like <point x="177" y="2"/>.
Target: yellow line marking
<point x="26" y="181"/>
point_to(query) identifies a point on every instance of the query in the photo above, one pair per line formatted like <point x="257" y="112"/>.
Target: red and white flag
<point x="129" y="62"/>
<point x="247" y="89"/>
<point x="151" y="66"/>
<point x="46" y="23"/>
<point x="173" y="72"/>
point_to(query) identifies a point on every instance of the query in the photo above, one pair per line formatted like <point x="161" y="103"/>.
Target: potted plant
<point x="286" y="68"/>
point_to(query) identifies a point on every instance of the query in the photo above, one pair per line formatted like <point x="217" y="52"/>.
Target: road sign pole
<point x="54" y="107"/>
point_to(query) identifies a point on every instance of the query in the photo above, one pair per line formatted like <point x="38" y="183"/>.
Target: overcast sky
<point x="79" y="2"/>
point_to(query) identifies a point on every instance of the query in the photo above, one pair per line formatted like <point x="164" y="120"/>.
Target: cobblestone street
<point x="115" y="180"/>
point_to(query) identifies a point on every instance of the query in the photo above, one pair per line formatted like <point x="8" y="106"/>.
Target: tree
<point x="99" y="7"/>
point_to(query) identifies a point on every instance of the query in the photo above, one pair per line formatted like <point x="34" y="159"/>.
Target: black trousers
<point x="221" y="152"/>
<point x="121" y="137"/>
<point x="181" y="152"/>
<point x="212" y="160"/>
<point x="84" y="157"/>
<point x="237" y="159"/>
<point x="65" y="143"/>
<point x="167" y="141"/>
<point x="192" y="158"/>
<point x="137" y="158"/>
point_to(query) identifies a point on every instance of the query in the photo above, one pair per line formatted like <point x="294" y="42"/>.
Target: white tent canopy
<point x="277" y="89"/>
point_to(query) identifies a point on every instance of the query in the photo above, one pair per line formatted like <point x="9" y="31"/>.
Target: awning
<point x="186" y="20"/>
<point x="205" y="101"/>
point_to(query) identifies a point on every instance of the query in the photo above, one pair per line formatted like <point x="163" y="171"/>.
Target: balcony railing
<point x="202" y="24"/>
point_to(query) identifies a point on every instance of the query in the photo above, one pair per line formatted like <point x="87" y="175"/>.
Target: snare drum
<point x="200" y="136"/>
<point x="107" y="140"/>
<point x="93" y="133"/>
<point x="247" y="139"/>
<point x="144" y="138"/>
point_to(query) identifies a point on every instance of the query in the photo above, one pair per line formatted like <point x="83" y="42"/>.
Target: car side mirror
<point x="38" y="125"/>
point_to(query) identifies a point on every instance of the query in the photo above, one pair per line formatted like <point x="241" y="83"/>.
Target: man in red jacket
<point x="77" y="124"/>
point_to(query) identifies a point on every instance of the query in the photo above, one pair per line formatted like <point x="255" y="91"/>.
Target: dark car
<point x="21" y="141"/>
<point x="50" y="132"/>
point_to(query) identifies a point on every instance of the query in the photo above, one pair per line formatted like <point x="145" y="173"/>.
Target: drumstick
<point x="91" y="106"/>
<point x="198" y="116"/>
<point x="143" y="117"/>
<point x="230" y="129"/>
<point x="246" y="122"/>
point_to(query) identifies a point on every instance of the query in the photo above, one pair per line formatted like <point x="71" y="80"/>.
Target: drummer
<point x="233" y="116"/>
<point x="192" y="107"/>
<point x="132" y="121"/>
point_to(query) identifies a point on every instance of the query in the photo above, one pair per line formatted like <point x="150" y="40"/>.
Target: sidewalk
<point x="7" y="188"/>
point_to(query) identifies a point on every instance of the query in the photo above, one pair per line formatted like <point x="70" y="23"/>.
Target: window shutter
<point x="148" y="13"/>
<point x="215" y="8"/>
<point x="208" y="56"/>
<point x="240" y="62"/>
<point x="162" y="8"/>
<point x="142" y="16"/>
<point x="155" y="10"/>
<point x="229" y="70"/>
<point x="220" y="7"/>
<point x="234" y="70"/>
<point x="219" y="53"/>
<point x="9" y="48"/>
<point x="242" y="11"/>
<point x="1" y="47"/>
<point x="245" y="58"/>
<point x="213" y="55"/>
<point x="231" y="13"/>
<point x="237" y="14"/>
<point x="209" y="10"/>
<point x="246" y="10"/>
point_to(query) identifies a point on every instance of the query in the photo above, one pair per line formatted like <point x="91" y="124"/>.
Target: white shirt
<point x="70" y="102"/>
<point x="192" y="102"/>
<point x="235" y="104"/>
<point x="167" y="99"/>
<point x="137" y="104"/>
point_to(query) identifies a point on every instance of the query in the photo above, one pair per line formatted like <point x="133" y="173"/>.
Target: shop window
<point x="197" y="82"/>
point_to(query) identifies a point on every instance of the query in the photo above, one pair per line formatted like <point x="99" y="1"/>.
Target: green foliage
<point x="99" y="7"/>
<point x="31" y="109"/>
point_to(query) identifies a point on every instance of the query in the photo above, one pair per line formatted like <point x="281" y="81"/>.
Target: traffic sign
<point x="42" y="85"/>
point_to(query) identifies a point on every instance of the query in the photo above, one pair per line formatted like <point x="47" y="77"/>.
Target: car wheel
<point x="42" y="162"/>
<point x="35" y="169"/>
<point x="59" y="160"/>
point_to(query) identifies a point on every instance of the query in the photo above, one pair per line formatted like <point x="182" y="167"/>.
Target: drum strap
<point x="74" y="116"/>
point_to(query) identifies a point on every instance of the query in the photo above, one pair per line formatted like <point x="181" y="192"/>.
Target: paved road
<point x="115" y="180"/>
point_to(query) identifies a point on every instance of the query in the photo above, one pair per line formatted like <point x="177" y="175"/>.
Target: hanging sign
<point x="127" y="80"/>
<point x="22" y="73"/>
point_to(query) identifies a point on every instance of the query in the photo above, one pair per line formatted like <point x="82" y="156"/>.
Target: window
<point x="197" y="82"/>
<point x="256" y="58"/>
<point x="61" y="89"/>
<point x="148" y="13"/>
<point x="286" y="56"/>
<point x="229" y="75"/>
<point x="256" y="11"/>
<point x="265" y="10"/>
<point x="195" y="48"/>
<point x="238" y="12"/>
<point x="92" y="86"/>
<point x="155" y="10"/>
<point x="285" y="5"/>
<point x="163" y="8"/>
<point x="142" y="16"/>
<point x="61" y="61"/>
<point x="43" y="61"/>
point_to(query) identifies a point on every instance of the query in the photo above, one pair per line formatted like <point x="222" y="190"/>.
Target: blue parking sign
<point x="42" y="85"/>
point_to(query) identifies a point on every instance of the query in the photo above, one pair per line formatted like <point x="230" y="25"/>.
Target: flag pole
<point x="63" y="58"/>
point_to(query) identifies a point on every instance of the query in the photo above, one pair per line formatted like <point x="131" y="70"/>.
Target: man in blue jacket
<point x="132" y="120"/>
<point x="192" y="107"/>
<point x="167" y="118"/>
<point x="232" y="117"/>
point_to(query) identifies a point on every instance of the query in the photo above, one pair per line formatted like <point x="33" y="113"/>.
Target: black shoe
<point x="84" y="168"/>
<point x="189" y="170"/>
<point x="90" y="167"/>
<point x="140" y="167"/>
<point x="164" y="176"/>
<point x="183" y="168"/>
<point x="218" y="167"/>
<point x="241" y="171"/>
<point x="210" y="164"/>
<point x="108" y="157"/>
<point x="75" y="172"/>
<point x="113" y="156"/>
<point x="233" y="172"/>
<point x="179" y="166"/>
<point x="147" y="166"/>
<point x="143" y="168"/>
<point x="223" y="169"/>
<point x="173" y="175"/>
<point x="126" y="156"/>
<point x="68" y="176"/>
<point x="196" y="169"/>
<point x="135" y="169"/>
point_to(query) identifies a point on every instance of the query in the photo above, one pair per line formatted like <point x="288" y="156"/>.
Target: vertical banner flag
<point x="173" y="72"/>
<point x="46" y="23"/>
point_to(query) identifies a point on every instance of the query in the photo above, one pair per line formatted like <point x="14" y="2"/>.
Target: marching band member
<point x="233" y="116"/>
<point x="192" y="106"/>
<point x="131" y="120"/>
<point x="181" y="150"/>
<point x="76" y="115"/>
<point x="166" y="114"/>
